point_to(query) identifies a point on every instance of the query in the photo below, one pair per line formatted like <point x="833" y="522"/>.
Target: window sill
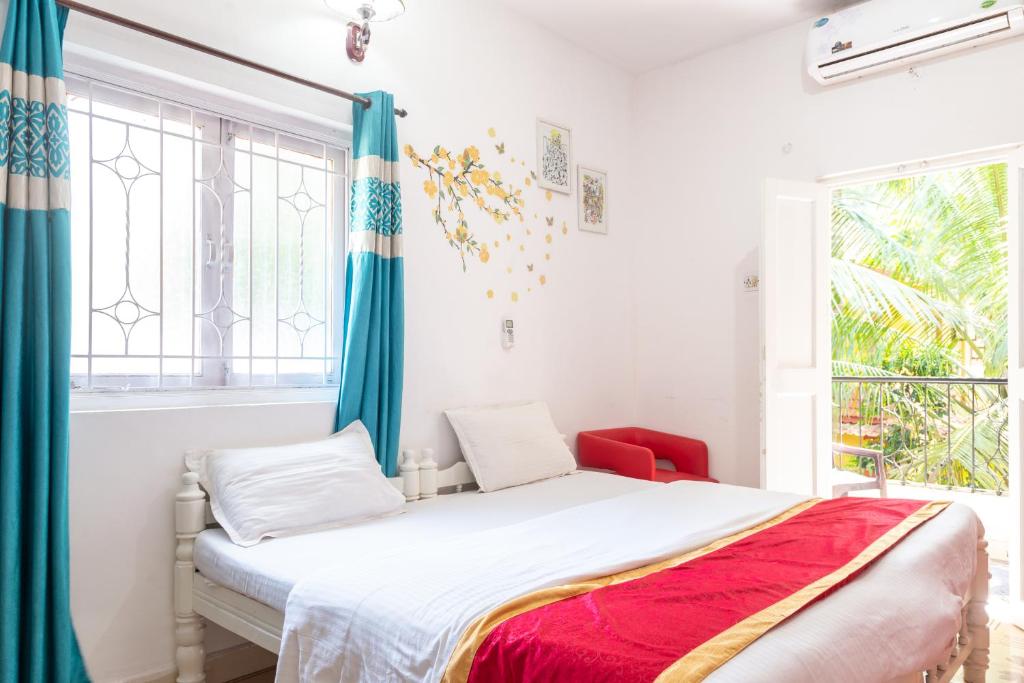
<point x="109" y="401"/>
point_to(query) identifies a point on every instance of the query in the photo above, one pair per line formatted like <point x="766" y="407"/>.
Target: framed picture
<point x="554" y="156"/>
<point x="592" y="195"/>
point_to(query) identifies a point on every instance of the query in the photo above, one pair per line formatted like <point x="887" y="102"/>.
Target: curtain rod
<point x="214" y="52"/>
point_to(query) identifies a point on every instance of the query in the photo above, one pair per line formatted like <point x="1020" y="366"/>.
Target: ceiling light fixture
<point x="361" y="13"/>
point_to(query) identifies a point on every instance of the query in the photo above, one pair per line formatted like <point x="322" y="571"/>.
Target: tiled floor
<point x="1006" y="655"/>
<point x="265" y="676"/>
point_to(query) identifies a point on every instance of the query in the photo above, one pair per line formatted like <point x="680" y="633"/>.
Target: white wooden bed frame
<point x="196" y="598"/>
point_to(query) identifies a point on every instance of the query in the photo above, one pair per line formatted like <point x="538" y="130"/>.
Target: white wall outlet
<point x="508" y="333"/>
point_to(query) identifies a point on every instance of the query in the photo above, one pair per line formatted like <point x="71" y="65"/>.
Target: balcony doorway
<point x="920" y="297"/>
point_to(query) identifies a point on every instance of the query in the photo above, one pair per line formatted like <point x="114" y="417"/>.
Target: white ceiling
<point x="638" y="35"/>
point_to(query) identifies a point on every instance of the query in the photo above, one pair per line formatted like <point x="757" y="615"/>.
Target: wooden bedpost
<point x="409" y="470"/>
<point x="977" y="620"/>
<point x="189" y="520"/>
<point x="428" y="474"/>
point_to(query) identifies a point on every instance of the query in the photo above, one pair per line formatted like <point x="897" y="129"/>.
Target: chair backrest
<point x="840" y="449"/>
<point x="879" y="482"/>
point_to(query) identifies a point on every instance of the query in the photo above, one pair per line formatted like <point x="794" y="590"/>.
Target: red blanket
<point x="681" y="619"/>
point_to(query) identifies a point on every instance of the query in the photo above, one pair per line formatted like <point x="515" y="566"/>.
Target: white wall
<point x="709" y="131"/>
<point x="459" y="67"/>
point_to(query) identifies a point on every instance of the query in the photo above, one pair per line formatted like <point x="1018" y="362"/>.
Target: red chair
<point x="632" y="451"/>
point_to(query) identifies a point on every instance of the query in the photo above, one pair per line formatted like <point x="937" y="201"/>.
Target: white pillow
<point x="509" y="445"/>
<point x="257" y="493"/>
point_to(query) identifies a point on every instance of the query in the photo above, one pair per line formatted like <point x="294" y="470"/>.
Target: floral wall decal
<point x="454" y="179"/>
<point x="463" y="186"/>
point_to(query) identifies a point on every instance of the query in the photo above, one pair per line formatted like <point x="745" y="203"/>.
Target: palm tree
<point x="918" y="288"/>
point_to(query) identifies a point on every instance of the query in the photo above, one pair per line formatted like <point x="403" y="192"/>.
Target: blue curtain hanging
<point x="374" y="335"/>
<point x="37" y="642"/>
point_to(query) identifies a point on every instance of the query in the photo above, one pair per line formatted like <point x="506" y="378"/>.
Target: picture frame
<point x="592" y="199"/>
<point x="554" y="156"/>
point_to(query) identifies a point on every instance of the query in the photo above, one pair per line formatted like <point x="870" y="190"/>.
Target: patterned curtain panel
<point x="374" y="342"/>
<point x="37" y="642"/>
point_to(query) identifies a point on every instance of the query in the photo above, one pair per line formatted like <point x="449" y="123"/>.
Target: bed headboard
<point x="419" y="478"/>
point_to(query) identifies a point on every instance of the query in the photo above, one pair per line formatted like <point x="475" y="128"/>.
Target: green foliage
<point x="929" y="362"/>
<point x="918" y="266"/>
<point x="919" y="272"/>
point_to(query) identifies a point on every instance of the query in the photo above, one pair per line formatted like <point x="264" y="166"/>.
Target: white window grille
<point x="206" y="251"/>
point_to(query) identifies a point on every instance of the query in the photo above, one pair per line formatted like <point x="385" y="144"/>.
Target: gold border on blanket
<point x="461" y="661"/>
<point x="697" y="664"/>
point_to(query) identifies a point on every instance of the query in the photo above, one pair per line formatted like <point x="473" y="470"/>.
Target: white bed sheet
<point x="397" y="616"/>
<point x="267" y="572"/>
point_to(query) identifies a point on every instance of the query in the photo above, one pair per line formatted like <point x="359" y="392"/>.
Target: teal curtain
<point x="374" y="334"/>
<point x="37" y="642"/>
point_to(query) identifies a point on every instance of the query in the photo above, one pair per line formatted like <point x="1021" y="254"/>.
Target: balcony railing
<point x="938" y="432"/>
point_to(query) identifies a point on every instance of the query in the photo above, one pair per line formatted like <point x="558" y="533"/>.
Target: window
<point x="206" y="251"/>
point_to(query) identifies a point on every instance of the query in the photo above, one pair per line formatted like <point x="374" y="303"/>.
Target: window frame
<point x="235" y="110"/>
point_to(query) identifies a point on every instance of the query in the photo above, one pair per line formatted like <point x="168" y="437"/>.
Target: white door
<point x="1015" y="370"/>
<point x="796" y="339"/>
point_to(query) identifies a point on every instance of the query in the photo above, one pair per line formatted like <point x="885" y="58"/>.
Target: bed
<point x="917" y="614"/>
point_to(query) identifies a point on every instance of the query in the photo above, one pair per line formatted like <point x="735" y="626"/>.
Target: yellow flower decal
<point x="479" y="176"/>
<point x="515" y="297"/>
<point x="453" y="178"/>
<point x="543" y="280"/>
<point x="490" y="293"/>
<point x="457" y="181"/>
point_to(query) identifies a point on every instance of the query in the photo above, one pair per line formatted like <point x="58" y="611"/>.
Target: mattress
<point x="267" y="572"/>
<point x="397" y="614"/>
<point x="900" y="616"/>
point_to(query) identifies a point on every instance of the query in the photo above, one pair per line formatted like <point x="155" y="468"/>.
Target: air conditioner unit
<point x="883" y="34"/>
